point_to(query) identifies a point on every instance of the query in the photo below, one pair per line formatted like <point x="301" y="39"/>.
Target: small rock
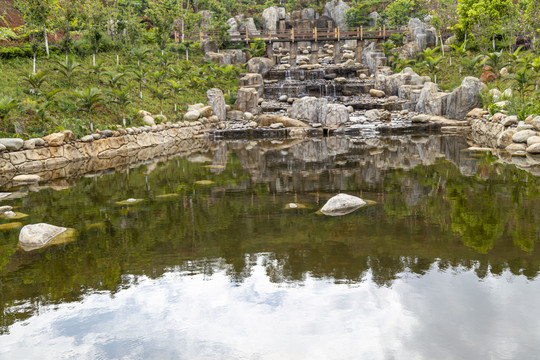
<point x="26" y="179"/>
<point x="12" y="144"/>
<point x="509" y="121"/>
<point x="533" y="140"/>
<point x="292" y="206"/>
<point x="148" y="120"/>
<point x="5" y="208"/>
<point x="534" y="149"/>
<point x="350" y="109"/>
<point x="144" y="113"/>
<point x="206" y="111"/>
<point x="508" y="94"/>
<point x="536" y="122"/>
<point x="476" y="113"/>
<point x="422" y="118"/>
<point x="29" y="144"/>
<point x="276" y="125"/>
<point x="522" y="136"/>
<point x="283" y="98"/>
<point x="253" y="124"/>
<point x="69" y="136"/>
<point x="340" y="80"/>
<point x="9" y="214"/>
<point x="248" y="116"/>
<point x="316" y="125"/>
<point x="88" y="138"/>
<point x="191" y="115"/>
<point x="522" y="126"/>
<point x="342" y="204"/>
<point x="107" y="133"/>
<point x="503" y="72"/>
<point x="376" y="93"/>
<point x="2" y="147"/>
<point x="36" y="236"/>
<point x="55" y="139"/>
<point x="96" y="136"/>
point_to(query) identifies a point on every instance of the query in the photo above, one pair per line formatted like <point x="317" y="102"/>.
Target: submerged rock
<point x="36" y="236"/>
<point x="342" y="204"/>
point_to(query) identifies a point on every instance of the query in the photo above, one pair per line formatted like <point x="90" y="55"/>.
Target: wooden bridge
<point x="295" y="35"/>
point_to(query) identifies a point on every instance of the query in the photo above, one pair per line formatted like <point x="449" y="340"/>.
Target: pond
<point x="214" y="263"/>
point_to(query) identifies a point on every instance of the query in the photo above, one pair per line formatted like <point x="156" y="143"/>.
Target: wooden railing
<point x="293" y="35"/>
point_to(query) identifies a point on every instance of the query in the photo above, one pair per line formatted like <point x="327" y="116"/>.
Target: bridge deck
<point x="294" y="35"/>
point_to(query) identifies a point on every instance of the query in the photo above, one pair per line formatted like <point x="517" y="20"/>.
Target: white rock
<point x="38" y="235"/>
<point x="148" y="120"/>
<point x="26" y="179"/>
<point x="342" y="204"/>
<point x="192" y="115"/>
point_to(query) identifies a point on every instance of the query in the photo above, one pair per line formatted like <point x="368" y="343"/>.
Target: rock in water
<point x="36" y="236"/>
<point x="342" y="204"/>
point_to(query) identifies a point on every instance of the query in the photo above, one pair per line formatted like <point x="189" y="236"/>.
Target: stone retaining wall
<point x="77" y="158"/>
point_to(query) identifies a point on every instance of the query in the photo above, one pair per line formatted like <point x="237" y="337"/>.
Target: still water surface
<point x="213" y="265"/>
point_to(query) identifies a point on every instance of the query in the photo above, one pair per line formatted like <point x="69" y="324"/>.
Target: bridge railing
<point x="294" y="35"/>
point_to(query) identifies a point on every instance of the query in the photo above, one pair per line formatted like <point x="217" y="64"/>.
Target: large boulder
<point x="260" y="65"/>
<point x="431" y="100"/>
<point x="373" y="58"/>
<point x="12" y="143"/>
<point x="336" y="11"/>
<point x="36" y="236"/>
<point x="209" y="45"/>
<point x="55" y="139"/>
<point x="271" y="16"/>
<point x="342" y="204"/>
<point x="233" y="27"/>
<point x="267" y="120"/>
<point x="409" y="51"/>
<point x="247" y="100"/>
<point x="373" y="19"/>
<point x="464" y="98"/>
<point x="310" y="109"/>
<point x="253" y="80"/>
<point x="216" y="99"/>
<point x="336" y="114"/>
<point x="391" y="84"/>
<point x="421" y="33"/>
<point x="454" y="105"/>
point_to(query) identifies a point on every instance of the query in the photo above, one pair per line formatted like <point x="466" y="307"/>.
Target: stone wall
<point x="77" y="158"/>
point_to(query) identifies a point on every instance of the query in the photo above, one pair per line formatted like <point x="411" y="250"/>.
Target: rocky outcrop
<point x="421" y="33"/>
<point x="373" y="19"/>
<point x="317" y="110"/>
<point x="260" y="65"/>
<point x="464" y="98"/>
<point x="454" y="105"/>
<point x="336" y="11"/>
<point x="247" y="100"/>
<point x="342" y="204"/>
<point x="310" y="109"/>
<point x="409" y="51"/>
<point x="391" y="84"/>
<point x="271" y="16"/>
<point x="253" y="80"/>
<point x="216" y="99"/>
<point x="226" y="57"/>
<point x="336" y="114"/>
<point x="373" y="58"/>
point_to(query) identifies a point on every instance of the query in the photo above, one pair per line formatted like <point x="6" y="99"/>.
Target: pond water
<point x="213" y="264"/>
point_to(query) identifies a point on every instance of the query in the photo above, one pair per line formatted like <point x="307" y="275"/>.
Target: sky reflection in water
<point x="179" y="316"/>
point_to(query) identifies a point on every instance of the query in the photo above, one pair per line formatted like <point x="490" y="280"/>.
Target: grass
<point x="38" y="115"/>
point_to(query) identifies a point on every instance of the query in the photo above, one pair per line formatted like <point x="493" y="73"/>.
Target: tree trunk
<point x="34" y="63"/>
<point x="493" y="41"/>
<point x="465" y="47"/>
<point x="46" y="41"/>
<point x="94" y="59"/>
<point x="442" y="46"/>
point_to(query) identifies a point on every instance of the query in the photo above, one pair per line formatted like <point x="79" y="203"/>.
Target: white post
<point x="46" y="41"/>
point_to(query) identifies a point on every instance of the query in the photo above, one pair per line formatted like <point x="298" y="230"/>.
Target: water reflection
<point x="442" y="214"/>
<point x="183" y="316"/>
